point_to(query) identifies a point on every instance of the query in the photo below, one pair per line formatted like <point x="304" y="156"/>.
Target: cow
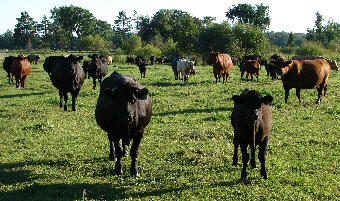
<point x="142" y="65"/>
<point x="252" y="67"/>
<point x="304" y="74"/>
<point x="130" y="60"/>
<point x="98" y="69"/>
<point x="251" y="119"/>
<point x="333" y="64"/>
<point x="68" y="77"/>
<point x="7" y="67"/>
<point x="160" y="60"/>
<point x="275" y="57"/>
<point x="174" y="66"/>
<point x="123" y="110"/>
<point x="184" y="69"/>
<point x="222" y="65"/>
<point x="251" y="57"/>
<point x="86" y="67"/>
<point x="20" y="69"/>
<point x="152" y="60"/>
<point x="50" y="61"/>
<point x="235" y="60"/>
<point x="33" y="59"/>
<point x="109" y="60"/>
<point x="271" y="70"/>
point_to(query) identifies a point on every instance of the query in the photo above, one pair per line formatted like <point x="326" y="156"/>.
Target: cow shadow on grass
<point x="190" y="111"/>
<point x="177" y="83"/>
<point x="23" y="95"/>
<point x="14" y="175"/>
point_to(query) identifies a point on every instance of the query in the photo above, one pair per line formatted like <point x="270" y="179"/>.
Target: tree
<point x="95" y="43"/>
<point x="44" y="28"/>
<point x="6" y="40"/>
<point x="245" y="13"/>
<point x="131" y="44"/>
<point x="74" y="20"/>
<point x="24" y="31"/>
<point x="291" y="40"/>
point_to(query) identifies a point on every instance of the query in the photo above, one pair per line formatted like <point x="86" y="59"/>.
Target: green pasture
<point x="186" y="153"/>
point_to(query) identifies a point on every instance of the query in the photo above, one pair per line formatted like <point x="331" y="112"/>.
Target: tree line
<point x="168" y="33"/>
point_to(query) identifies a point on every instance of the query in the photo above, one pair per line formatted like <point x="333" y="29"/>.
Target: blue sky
<point x="289" y="16"/>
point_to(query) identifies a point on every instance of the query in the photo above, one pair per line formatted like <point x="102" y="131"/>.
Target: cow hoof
<point x="117" y="172"/>
<point x="264" y="173"/>
<point x="134" y="172"/>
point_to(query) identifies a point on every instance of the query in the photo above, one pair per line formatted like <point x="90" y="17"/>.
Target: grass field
<point x="186" y="153"/>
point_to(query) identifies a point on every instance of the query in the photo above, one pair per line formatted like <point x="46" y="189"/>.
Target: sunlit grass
<point x="186" y="153"/>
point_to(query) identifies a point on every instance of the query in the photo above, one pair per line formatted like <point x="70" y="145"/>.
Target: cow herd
<point x="124" y="106"/>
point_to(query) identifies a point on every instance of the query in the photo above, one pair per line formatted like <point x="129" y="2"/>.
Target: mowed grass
<point x="186" y="153"/>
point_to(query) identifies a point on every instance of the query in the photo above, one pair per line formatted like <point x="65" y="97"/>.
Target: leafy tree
<point x="95" y="43"/>
<point x="123" y="24"/>
<point x="131" y="44"/>
<point x="74" y="20"/>
<point x="148" y="50"/>
<point x="24" y="31"/>
<point x="291" y="40"/>
<point x="104" y="29"/>
<point x="6" y="40"/>
<point x="44" y="28"/>
<point x="257" y="15"/>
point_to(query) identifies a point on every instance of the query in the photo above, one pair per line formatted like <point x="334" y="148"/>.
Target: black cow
<point x="174" y="67"/>
<point x="68" y="76"/>
<point x="50" y="61"/>
<point x="123" y="110"/>
<point x="152" y="60"/>
<point x="140" y="62"/>
<point x="98" y="68"/>
<point x="7" y="67"/>
<point x="251" y="57"/>
<point x="129" y="60"/>
<point x="252" y="121"/>
<point x="86" y="67"/>
<point x="271" y="70"/>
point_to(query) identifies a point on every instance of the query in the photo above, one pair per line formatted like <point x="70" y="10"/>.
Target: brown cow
<point x="304" y="74"/>
<point x="252" y="67"/>
<point x="222" y="65"/>
<point x="252" y="121"/>
<point x="333" y="64"/>
<point x="20" y="69"/>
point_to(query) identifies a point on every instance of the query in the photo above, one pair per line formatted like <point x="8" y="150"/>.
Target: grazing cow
<point x="50" y="61"/>
<point x="222" y="65"/>
<point x="130" y="60"/>
<point x="333" y="64"/>
<point x="68" y="76"/>
<point x="152" y="60"/>
<point x="20" y="69"/>
<point x="252" y="121"/>
<point x="174" y="66"/>
<point x="123" y="110"/>
<point x="184" y="69"/>
<point x="7" y="67"/>
<point x="86" y="67"/>
<point x="252" y="67"/>
<point x="142" y="65"/>
<point x="304" y="74"/>
<point x="33" y="59"/>
<point x="271" y="70"/>
<point x="98" y="69"/>
<point x="160" y="60"/>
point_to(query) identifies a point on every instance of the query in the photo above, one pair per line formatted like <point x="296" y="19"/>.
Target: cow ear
<point x="142" y="93"/>
<point x="238" y="99"/>
<point x="110" y="92"/>
<point x="267" y="99"/>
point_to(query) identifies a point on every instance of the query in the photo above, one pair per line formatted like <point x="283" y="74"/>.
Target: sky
<point x="286" y="15"/>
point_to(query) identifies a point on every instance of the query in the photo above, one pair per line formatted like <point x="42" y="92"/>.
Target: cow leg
<point x="61" y="96"/>
<point x="94" y="83"/>
<point x="134" y="154"/>
<point x="298" y="94"/>
<point x="17" y="82"/>
<point x="118" y="151"/>
<point x="252" y="157"/>
<point x="242" y="73"/>
<point x="65" y="100"/>
<point x="236" y="145"/>
<point x="245" y="160"/>
<point x="286" y="95"/>
<point x="74" y="99"/>
<point x="262" y="157"/>
<point x="112" y="154"/>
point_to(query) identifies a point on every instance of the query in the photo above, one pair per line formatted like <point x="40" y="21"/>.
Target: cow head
<point x="251" y="102"/>
<point x="73" y="62"/>
<point x="333" y="64"/>
<point x="126" y="98"/>
<point x="213" y="58"/>
<point x="283" y="66"/>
